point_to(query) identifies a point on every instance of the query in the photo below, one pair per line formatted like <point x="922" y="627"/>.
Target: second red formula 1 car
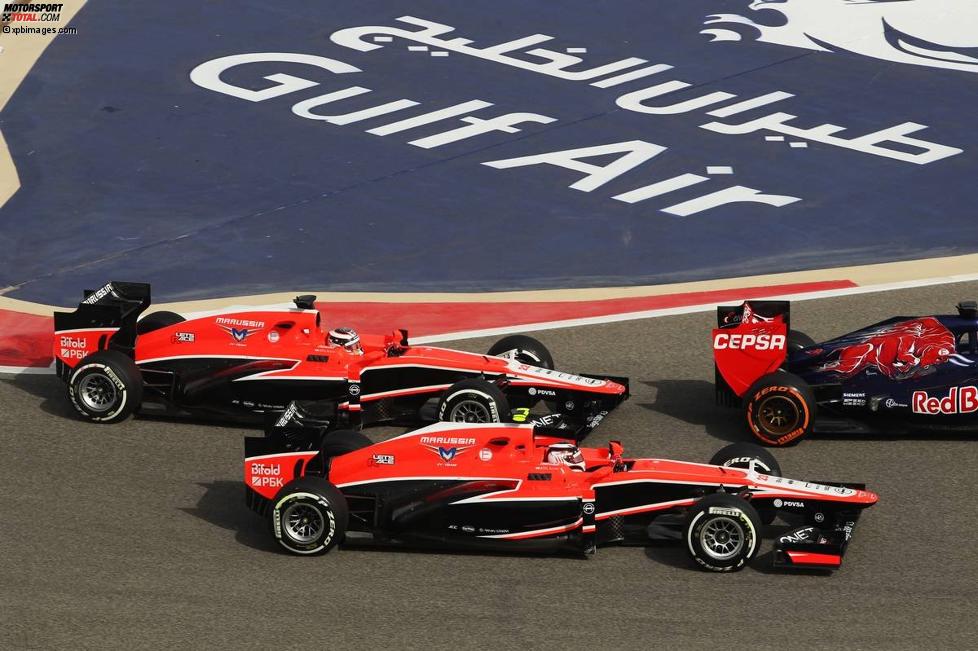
<point x="245" y="365"/>
<point x="900" y="375"/>
<point x="520" y="488"/>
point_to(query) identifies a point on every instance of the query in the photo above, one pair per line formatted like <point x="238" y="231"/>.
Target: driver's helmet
<point x="345" y="337"/>
<point x="567" y="454"/>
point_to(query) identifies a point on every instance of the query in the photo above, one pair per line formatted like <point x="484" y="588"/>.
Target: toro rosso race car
<point x="506" y="487"/>
<point x="899" y="375"/>
<point x="249" y="365"/>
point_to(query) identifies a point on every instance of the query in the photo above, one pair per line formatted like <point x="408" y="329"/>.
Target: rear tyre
<point x="473" y="401"/>
<point x="106" y="387"/>
<point x="743" y="455"/>
<point x="157" y="320"/>
<point x="310" y="516"/>
<point x="722" y="532"/>
<point x="798" y="340"/>
<point x="523" y="349"/>
<point x="780" y="409"/>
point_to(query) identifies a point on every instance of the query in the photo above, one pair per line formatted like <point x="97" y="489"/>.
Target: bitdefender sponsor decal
<point x="959" y="400"/>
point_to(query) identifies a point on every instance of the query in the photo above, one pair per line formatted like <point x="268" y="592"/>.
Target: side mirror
<point x="305" y="302"/>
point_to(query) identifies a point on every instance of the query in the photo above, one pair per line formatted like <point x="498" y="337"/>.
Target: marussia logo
<point x="238" y="334"/>
<point x="448" y="454"/>
<point x="959" y="400"/>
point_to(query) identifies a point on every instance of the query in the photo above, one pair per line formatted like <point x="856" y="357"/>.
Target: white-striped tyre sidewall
<point x="326" y="511"/>
<point x="97" y="367"/>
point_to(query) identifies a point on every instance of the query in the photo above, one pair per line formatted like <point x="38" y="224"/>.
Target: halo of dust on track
<point x="137" y="535"/>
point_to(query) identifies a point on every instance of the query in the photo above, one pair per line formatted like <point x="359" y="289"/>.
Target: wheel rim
<point x="97" y="392"/>
<point x="778" y="414"/>
<point x="303" y="523"/>
<point x="722" y="538"/>
<point x="470" y="411"/>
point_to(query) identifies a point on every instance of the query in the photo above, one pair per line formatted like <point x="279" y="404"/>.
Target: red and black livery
<point x="495" y="487"/>
<point x="901" y="375"/>
<point x="250" y="364"/>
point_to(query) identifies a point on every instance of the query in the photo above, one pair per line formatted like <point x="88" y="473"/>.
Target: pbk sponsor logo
<point x="73" y="347"/>
<point x="266" y="475"/>
<point x="736" y="341"/>
<point x="959" y="400"/>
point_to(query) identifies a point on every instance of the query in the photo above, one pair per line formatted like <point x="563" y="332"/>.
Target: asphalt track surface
<point x="137" y="535"/>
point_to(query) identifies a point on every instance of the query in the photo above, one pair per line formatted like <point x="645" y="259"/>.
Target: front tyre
<point x="722" y="532"/>
<point x="780" y="409"/>
<point x="523" y="349"/>
<point x="309" y="516"/>
<point x="106" y="387"/>
<point x="473" y="401"/>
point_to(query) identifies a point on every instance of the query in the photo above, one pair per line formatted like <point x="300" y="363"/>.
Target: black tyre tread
<point x="740" y="450"/>
<point x="127" y="371"/>
<point x="343" y="441"/>
<point x="798" y="340"/>
<point x="157" y="320"/>
<point x="526" y="343"/>
<point x="479" y="384"/>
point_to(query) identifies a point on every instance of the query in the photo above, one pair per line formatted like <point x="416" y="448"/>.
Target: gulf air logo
<point x="934" y="33"/>
<point x="238" y="334"/>
<point x="737" y="341"/>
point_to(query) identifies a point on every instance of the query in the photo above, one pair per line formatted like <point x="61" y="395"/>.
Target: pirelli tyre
<point x="106" y="387"/>
<point x="474" y="400"/>
<point x="750" y="456"/>
<point x="722" y="532"/>
<point x="780" y="409"/>
<point x="157" y="320"/>
<point x="798" y="340"/>
<point x="309" y="516"/>
<point x="524" y="349"/>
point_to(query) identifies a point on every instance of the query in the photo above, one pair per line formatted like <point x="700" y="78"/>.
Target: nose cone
<point x="867" y="497"/>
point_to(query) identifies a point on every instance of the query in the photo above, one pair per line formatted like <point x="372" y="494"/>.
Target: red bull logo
<point x="959" y="400"/>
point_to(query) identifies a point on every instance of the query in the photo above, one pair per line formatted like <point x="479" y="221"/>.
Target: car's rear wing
<point x="105" y="319"/>
<point x="750" y="341"/>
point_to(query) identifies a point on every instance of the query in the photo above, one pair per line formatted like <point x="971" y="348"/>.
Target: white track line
<point x="608" y="318"/>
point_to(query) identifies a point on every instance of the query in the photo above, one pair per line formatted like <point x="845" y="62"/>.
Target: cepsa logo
<point x="959" y="400"/>
<point x="724" y="340"/>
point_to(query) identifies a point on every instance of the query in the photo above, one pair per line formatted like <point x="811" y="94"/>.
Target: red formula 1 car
<point x="247" y="365"/>
<point x="522" y="488"/>
<point x="905" y="374"/>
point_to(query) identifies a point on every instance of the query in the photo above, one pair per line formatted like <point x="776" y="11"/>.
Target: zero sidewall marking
<point x="800" y="404"/>
<point x="325" y="510"/>
<point x="105" y="370"/>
